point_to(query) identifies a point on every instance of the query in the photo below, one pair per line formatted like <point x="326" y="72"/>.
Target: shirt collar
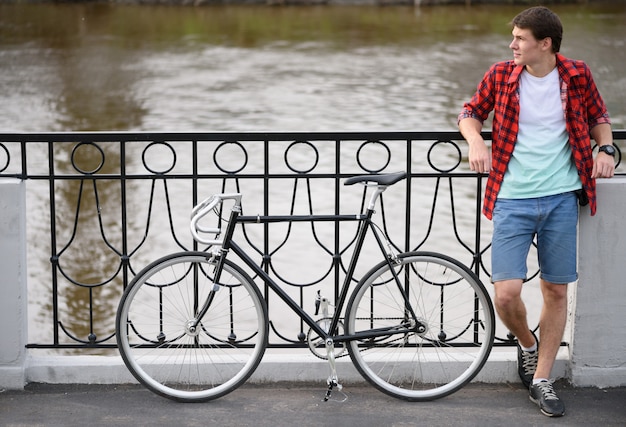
<point x="565" y="67"/>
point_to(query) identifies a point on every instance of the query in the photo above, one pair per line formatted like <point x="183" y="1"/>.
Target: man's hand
<point x="603" y="166"/>
<point x="479" y="156"/>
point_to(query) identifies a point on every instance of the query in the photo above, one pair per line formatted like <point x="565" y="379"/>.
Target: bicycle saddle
<point x="380" y="179"/>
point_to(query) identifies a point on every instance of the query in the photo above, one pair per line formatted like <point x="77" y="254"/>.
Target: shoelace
<point x="547" y="390"/>
<point x="529" y="362"/>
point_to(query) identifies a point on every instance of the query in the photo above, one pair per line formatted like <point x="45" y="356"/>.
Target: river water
<point x="106" y="67"/>
<point x="75" y="66"/>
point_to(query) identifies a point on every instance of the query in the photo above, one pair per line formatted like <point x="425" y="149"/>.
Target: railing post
<point x="598" y="350"/>
<point x="13" y="295"/>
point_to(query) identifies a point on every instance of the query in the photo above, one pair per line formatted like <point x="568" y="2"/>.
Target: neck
<point x="542" y="68"/>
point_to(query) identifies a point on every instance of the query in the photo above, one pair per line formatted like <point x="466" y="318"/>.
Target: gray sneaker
<point x="544" y="396"/>
<point x="527" y="363"/>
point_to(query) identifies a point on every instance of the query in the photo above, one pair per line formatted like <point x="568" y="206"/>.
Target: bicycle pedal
<point x="329" y="392"/>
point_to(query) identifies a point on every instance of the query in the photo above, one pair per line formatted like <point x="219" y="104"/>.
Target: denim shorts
<point x="516" y="222"/>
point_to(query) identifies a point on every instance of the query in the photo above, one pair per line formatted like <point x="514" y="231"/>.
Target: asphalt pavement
<point x="302" y="405"/>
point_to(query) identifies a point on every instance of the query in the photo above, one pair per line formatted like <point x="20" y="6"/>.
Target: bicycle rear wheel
<point x="167" y="355"/>
<point x="452" y="304"/>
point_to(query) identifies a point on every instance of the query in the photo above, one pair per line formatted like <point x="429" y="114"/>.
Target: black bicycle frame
<point x="365" y="223"/>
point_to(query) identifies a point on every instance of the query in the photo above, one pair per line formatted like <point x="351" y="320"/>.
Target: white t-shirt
<point x="542" y="162"/>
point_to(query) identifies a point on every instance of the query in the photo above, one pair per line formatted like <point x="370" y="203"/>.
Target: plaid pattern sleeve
<point x="497" y="92"/>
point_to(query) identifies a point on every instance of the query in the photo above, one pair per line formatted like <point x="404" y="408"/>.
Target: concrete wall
<point x="596" y="356"/>
<point x="13" y="295"/>
<point x="598" y="345"/>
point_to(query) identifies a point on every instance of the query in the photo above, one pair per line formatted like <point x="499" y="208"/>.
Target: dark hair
<point x="543" y="23"/>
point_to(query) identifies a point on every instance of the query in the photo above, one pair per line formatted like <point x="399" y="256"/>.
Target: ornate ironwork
<point x="103" y="205"/>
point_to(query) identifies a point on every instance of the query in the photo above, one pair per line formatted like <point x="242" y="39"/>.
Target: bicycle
<point x="193" y="326"/>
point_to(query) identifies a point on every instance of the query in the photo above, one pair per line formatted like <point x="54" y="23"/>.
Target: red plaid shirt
<point x="582" y="105"/>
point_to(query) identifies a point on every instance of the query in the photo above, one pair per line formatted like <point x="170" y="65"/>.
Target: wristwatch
<point x="608" y="149"/>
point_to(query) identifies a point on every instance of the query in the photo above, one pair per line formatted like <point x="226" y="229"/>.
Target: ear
<point x="546" y="44"/>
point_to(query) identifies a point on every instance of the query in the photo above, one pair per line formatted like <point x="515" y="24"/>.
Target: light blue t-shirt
<point x="542" y="163"/>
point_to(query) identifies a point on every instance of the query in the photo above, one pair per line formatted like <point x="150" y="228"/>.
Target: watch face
<point x="608" y="149"/>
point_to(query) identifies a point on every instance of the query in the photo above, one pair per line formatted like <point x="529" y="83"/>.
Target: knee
<point x="554" y="293"/>
<point x="508" y="295"/>
<point x="506" y="299"/>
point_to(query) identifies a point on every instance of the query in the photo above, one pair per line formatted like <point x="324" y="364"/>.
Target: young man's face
<point x="527" y="50"/>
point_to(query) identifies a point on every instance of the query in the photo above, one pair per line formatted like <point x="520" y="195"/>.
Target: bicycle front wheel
<point x="390" y="304"/>
<point x="159" y="344"/>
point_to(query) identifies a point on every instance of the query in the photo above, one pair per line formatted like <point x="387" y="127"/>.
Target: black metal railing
<point x="103" y="205"/>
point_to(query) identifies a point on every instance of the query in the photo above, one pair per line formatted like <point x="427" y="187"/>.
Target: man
<point x="546" y="108"/>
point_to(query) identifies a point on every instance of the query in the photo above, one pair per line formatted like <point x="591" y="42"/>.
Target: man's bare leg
<point x="512" y="311"/>
<point x="552" y="325"/>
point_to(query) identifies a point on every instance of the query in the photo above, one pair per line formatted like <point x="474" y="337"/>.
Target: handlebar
<point x="202" y="209"/>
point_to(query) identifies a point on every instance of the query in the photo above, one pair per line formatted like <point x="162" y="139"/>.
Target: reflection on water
<point x="70" y="67"/>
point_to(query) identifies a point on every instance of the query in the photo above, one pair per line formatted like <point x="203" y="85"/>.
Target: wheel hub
<point x="191" y="329"/>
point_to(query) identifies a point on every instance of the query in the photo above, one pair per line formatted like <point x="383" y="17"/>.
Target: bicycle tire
<point x="448" y="299"/>
<point x="171" y="359"/>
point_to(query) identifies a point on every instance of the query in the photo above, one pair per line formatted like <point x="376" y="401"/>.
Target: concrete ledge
<point x="13" y="377"/>
<point x="591" y="376"/>
<point x="77" y="370"/>
<point x="500" y="368"/>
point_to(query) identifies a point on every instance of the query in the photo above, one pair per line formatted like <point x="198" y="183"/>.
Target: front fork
<point x="217" y="253"/>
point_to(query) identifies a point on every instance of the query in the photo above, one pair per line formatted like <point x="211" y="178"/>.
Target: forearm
<point x="470" y="129"/>
<point x="602" y="134"/>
